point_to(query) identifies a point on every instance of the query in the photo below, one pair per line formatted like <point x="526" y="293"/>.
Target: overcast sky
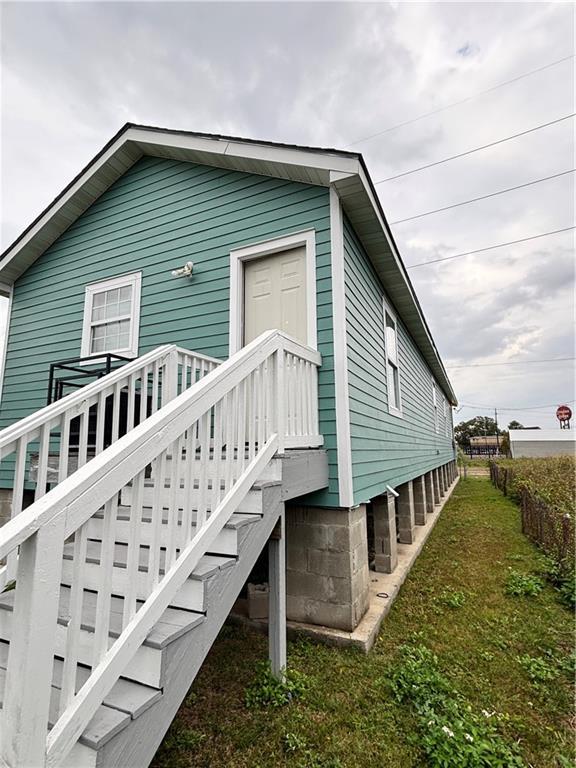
<point x="329" y="75"/>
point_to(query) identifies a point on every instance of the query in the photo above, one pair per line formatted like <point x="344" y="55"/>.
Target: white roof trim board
<point x="344" y="171"/>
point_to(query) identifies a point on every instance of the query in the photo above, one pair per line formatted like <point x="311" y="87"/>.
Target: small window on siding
<point x="112" y="316"/>
<point x="435" y="406"/>
<point x="445" y="410"/>
<point x="392" y="363"/>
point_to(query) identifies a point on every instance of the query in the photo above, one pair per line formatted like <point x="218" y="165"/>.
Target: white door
<point x="275" y="295"/>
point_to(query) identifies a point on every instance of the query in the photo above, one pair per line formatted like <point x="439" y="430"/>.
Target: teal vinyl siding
<point x="386" y="449"/>
<point x="157" y="216"/>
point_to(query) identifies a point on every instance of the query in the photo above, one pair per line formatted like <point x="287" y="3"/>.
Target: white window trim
<point x="239" y="256"/>
<point x="387" y="310"/>
<point x="10" y="291"/>
<point x="135" y="280"/>
<point x="435" y="406"/>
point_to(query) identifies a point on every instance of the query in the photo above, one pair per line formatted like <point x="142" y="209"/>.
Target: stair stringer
<point x="136" y="745"/>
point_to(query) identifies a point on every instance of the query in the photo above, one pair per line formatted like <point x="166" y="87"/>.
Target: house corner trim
<point x="343" y="442"/>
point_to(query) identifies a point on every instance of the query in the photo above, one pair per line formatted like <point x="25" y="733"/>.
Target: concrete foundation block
<point x="429" y="483"/>
<point x="385" y="535"/>
<point x="406" y="523"/>
<point x="327" y="580"/>
<point x="420" y="509"/>
<point x="437" y="488"/>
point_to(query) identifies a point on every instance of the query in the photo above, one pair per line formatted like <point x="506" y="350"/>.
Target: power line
<point x="512" y="362"/>
<point x="489" y="248"/>
<point x="476" y="149"/>
<point x="527" y="408"/>
<point x="484" y="197"/>
<point x="457" y="103"/>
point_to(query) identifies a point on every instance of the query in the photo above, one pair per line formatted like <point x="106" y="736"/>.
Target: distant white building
<point x="532" y="443"/>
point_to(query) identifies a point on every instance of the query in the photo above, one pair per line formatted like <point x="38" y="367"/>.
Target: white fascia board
<point x="286" y="155"/>
<point x="146" y="140"/>
<point x="400" y="266"/>
<point x="343" y="439"/>
<point x="59" y="204"/>
<point x="244" y="150"/>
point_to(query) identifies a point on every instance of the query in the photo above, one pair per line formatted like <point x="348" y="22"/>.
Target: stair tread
<point x="104" y="725"/>
<point x="237" y="519"/>
<point x="126" y="696"/>
<point x="207" y="565"/>
<point x="173" y="623"/>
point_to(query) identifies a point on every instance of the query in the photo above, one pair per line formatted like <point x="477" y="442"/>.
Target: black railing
<point x="79" y="371"/>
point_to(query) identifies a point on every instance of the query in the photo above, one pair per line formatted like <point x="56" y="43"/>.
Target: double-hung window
<point x="392" y="363"/>
<point x="112" y="316"/>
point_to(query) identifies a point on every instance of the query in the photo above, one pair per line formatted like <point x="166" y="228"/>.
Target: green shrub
<point x="520" y="584"/>
<point x="267" y="690"/>
<point x="450" y="733"/>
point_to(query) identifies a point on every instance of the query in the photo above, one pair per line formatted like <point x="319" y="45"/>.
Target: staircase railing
<point x="46" y="447"/>
<point x="237" y="414"/>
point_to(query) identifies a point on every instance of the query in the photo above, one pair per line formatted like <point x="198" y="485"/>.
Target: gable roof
<point x="345" y="171"/>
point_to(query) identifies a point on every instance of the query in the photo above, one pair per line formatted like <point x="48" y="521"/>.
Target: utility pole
<point x="497" y="438"/>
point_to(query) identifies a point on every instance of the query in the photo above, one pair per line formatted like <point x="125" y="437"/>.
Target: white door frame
<point x="239" y="256"/>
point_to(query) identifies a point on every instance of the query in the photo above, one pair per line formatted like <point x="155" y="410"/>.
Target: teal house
<point x="207" y="242"/>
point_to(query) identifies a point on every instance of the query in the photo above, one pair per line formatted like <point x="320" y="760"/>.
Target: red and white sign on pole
<point x="564" y="414"/>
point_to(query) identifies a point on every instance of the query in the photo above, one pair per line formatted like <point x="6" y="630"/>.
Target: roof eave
<point x="346" y="171"/>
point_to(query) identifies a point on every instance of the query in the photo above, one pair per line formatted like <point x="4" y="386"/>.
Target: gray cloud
<point x="328" y="74"/>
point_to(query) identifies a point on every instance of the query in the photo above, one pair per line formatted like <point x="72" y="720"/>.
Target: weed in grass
<point x="292" y="742"/>
<point x="180" y="738"/>
<point x="267" y="690"/>
<point x="562" y="578"/>
<point x="538" y="669"/>
<point x="296" y="745"/>
<point x="520" y="584"/>
<point x="452" y="598"/>
<point x="487" y="656"/>
<point x="449" y="731"/>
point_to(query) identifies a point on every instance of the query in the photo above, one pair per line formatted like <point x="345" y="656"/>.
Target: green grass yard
<point x="496" y="652"/>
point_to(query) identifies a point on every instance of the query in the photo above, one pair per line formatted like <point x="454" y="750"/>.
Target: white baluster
<point x="75" y="620"/>
<point x="280" y="401"/>
<point x="44" y="447"/>
<point x="100" y="421"/>
<point x="157" y="514"/>
<point x="102" y="622"/>
<point x="133" y="556"/>
<point x="217" y="455"/>
<point x="64" y="447"/>
<point x="204" y="459"/>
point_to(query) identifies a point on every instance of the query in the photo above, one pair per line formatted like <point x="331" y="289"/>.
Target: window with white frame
<point x="392" y="364"/>
<point x="445" y="411"/>
<point x="112" y="316"/>
<point x="435" y="406"/>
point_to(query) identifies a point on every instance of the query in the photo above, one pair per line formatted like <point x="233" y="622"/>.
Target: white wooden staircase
<point x="125" y="569"/>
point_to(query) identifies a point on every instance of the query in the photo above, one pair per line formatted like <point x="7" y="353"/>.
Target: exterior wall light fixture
<point x="185" y="271"/>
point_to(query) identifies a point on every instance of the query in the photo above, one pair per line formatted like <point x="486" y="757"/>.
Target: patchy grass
<point x="479" y="650"/>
